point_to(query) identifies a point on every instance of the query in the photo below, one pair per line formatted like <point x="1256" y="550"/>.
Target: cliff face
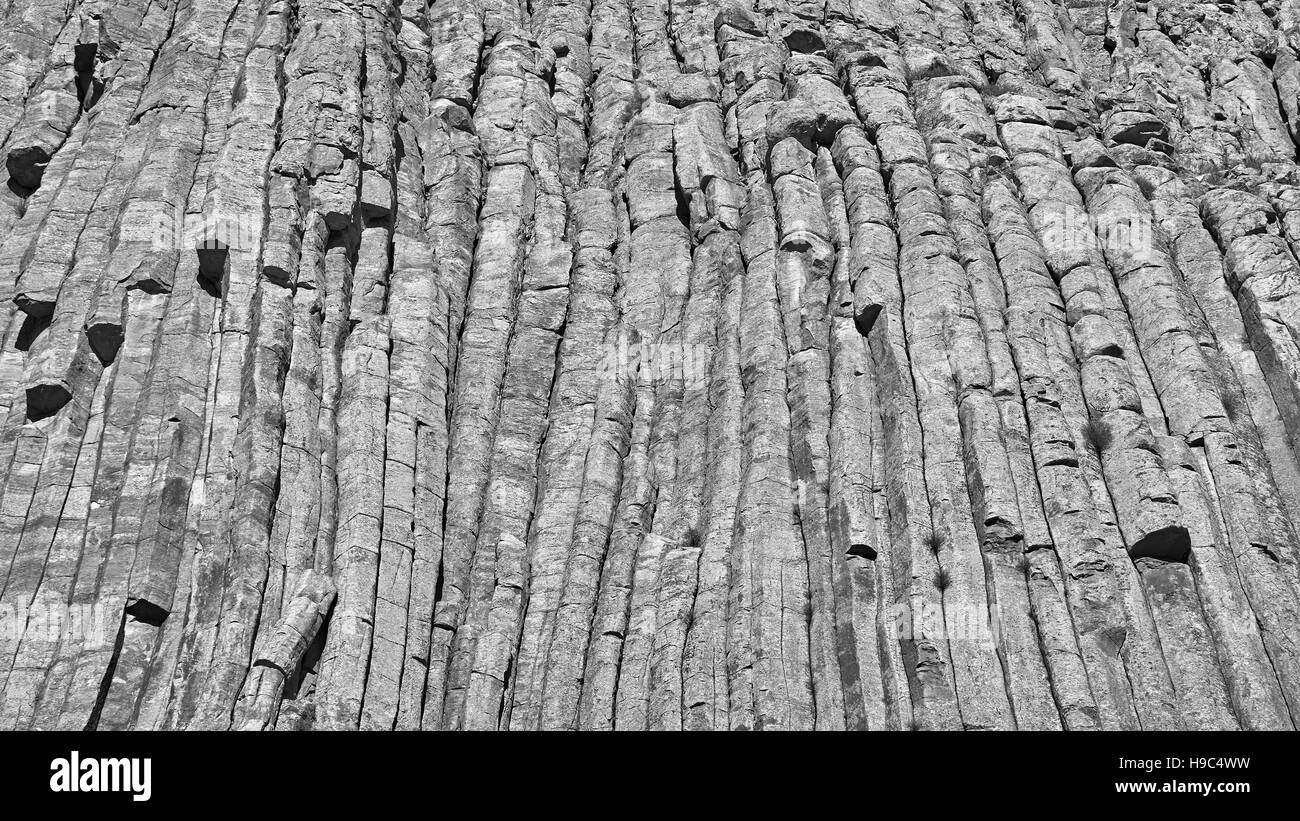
<point x="866" y="364"/>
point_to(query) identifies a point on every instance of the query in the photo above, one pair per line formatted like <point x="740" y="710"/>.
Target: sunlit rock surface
<point x="649" y="364"/>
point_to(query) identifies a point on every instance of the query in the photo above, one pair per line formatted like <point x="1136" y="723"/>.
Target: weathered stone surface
<point x="640" y="365"/>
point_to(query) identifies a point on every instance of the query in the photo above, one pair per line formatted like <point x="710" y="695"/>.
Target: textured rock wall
<point x="649" y="364"/>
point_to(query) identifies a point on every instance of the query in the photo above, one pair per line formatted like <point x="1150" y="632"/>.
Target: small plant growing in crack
<point x="1232" y="405"/>
<point x="991" y="92"/>
<point x="942" y="580"/>
<point x="1097" y="435"/>
<point x="636" y="101"/>
<point x="691" y="538"/>
<point x="933" y="71"/>
<point x="914" y="725"/>
<point x="934" y="541"/>
<point x="1254" y="161"/>
<point x="1022" y="563"/>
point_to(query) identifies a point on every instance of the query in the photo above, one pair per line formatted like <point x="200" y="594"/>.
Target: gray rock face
<point x="649" y="364"/>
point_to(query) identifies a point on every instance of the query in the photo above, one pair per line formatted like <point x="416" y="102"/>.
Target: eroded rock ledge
<point x="668" y="364"/>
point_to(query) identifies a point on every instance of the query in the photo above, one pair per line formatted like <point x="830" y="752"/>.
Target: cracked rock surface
<point x="649" y="364"/>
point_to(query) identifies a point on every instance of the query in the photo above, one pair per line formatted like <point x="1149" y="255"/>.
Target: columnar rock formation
<point x="649" y="364"/>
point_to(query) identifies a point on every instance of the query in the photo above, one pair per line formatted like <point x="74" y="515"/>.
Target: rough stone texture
<point x="649" y="364"/>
